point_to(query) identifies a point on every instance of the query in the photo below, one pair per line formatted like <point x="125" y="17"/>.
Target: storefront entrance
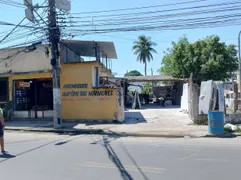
<point x="33" y="97"/>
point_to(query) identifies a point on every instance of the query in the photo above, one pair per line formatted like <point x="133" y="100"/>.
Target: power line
<point x="12" y="30"/>
<point x="161" y="11"/>
<point x="22" y="33"/>
<point x="170" y="23"/>
<point x="139" y="21"/>
<point x="33" y="41"/>
<point x="125" y="22"/>
<point x="134" y="19"/>
<point x="144" y="7"/>
<point x="12" y="3"/>
<point x="144" y="21"/>
<point x="21" y="36"/>
<point x="11" y="24"/>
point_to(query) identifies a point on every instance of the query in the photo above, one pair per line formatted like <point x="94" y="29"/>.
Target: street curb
<point x="227" y="135"/>
<point x="62" y="131"/>
<point x="105" y="132"/>
<point x="121" y="134"/>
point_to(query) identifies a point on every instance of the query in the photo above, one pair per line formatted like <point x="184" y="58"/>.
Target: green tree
<point x="143" y="48"/>
<point x="133" y="73"/>
<point x="206" y="59"/>
<point x="147" y="88"/>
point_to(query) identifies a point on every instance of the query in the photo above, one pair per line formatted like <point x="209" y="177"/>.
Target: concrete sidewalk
<point x="145" y="123"/>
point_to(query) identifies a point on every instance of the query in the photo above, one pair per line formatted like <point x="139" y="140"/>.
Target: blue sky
<point x="124" y="41"/>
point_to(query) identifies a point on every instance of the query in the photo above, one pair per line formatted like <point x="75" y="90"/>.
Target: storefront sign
<point x="74" y="93"/>
<point x="24" y="84"/>
<point x="76" y="86"/>
<point x="88" y="93"/>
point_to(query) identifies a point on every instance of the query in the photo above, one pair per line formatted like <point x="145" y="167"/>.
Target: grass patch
<point x="228" y="129"/>
<point x="238" y="130"/>
<point x="201" y="122"/>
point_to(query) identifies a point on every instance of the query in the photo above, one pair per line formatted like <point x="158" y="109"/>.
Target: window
<point x="96" y="77"/>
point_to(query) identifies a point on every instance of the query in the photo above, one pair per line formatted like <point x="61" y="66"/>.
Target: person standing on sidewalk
<point x="2" y="131"/>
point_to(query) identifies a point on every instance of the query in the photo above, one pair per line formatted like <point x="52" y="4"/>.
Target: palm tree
<point x="143" y="48"/>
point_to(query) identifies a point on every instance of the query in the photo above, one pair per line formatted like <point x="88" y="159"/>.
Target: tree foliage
<point x="143" y="48"/>
<point x="133" y="73"/>
<point x="147" y="88"/>
<point x="206" y="59"/>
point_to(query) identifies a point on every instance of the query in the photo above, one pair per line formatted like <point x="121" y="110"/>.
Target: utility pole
<point x="151" y="71"/>
<point x="54" y="36"/>
<point x="239" y="63"/>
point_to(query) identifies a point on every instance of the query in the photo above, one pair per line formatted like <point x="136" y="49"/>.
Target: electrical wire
<point x="13" y="30"/>
<point x="145" y="7"/>
<point x="22" y="36"/>
<point x="200" y="16"/>
<point x="182" y="20"/>
<point x="12" y="3"/>
<point x="11" y="24"/>
<point x="134" y="19"/>
<point x="23" y="33"/>
<point x="160" y="11"/>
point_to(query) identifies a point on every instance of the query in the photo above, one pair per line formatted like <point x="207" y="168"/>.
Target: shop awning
<point x="86" y="48"/>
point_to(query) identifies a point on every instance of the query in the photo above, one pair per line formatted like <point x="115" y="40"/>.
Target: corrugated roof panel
<point x="86" y="48"/>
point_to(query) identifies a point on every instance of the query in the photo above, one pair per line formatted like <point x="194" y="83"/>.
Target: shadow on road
<point x="7" y="156"/>
<point x="134" y="162"/>
<point x="114" y="158"/>
<point x="64" y="142"/>
<point x="17" y="142"/>
<point x="105" y="142"/>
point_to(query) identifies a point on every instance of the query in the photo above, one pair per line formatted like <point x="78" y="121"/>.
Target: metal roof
<point x="152" y="78"/>
<point x="86" y="48"/>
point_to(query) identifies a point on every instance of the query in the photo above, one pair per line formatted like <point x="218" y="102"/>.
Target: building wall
<point x="80" y="103"/>
<point x="105" y="73"/>
<point x="19" y="60"/>
<point x="25" y="76"/>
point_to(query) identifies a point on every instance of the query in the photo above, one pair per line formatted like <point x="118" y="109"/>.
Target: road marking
<point x="212" y="160"/>
<point x="144" y="167"/>
<point x="127" y="167"/>
<point x="190" y="155"/>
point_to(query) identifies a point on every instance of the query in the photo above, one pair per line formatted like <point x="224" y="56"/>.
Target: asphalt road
<point x="62" y="157"/>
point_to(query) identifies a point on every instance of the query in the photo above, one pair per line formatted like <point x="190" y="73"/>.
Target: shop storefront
<point x="32" y="95"/>
<point x="82" y="95"/>
<point x="85" y="95"/>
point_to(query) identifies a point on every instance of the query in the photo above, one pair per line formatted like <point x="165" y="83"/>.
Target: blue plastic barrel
<point x="216" y="122"/>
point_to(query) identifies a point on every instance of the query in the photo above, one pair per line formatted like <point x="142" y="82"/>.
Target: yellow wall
<point x="85" y="107"/>
<point x="25" y="76"/>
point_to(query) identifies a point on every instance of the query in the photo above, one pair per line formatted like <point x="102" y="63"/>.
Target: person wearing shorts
<point x="2" y="131"/>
